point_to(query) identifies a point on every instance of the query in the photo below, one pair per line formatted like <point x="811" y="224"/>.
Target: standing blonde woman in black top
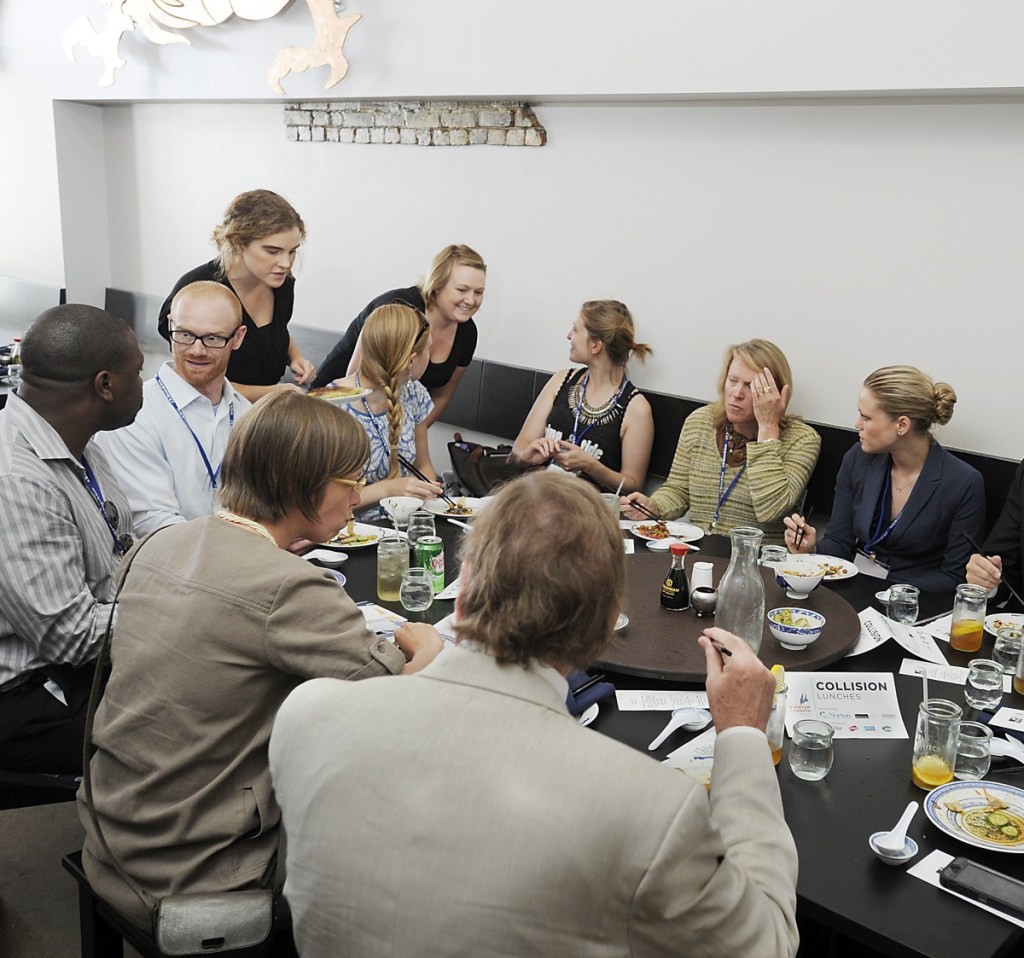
<point x="593" y="421"/>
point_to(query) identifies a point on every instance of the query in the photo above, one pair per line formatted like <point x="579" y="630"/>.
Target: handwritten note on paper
<point x="855" y="704"/>
<point x="636" y="700"/>
<point x="952" y="674"/>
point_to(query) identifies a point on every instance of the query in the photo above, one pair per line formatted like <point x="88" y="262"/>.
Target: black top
<point x="1006" y="539"/>
<point x="263" y="355"/>
<point x="601" y="426"/>
<point x="335" y="365"/>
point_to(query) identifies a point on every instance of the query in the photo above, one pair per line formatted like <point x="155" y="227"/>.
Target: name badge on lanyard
<point x="869" y="565"/>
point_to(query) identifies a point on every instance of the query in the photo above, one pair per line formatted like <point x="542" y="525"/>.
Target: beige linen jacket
<point x="215" y="627"/>
<point x="463" y="812"/>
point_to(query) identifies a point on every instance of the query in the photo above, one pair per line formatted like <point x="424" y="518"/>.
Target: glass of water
<point x="417" y="589"/>
<point x="810" y="752"/>
<point x="902" y="604"/>
<point x="1006" y="650"/>
<point x="984" y="689"/>
<point x="973" y="752"/>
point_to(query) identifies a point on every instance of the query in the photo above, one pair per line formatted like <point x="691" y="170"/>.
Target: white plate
<point x="972" y="795"/>
<point x="680" y="530"/>
<point x="1011" y="620"/>
<point x="360" y="529"/>
<point x="345" y="400"/>
<point x="328" y="557"/>
<point x="849" y="570"/>
<point x="441" y="508"/>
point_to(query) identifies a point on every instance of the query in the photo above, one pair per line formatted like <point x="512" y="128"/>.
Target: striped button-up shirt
<point x="59" y="557"/>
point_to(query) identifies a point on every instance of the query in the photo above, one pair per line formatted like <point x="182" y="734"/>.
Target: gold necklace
<point x="251" y="524"/>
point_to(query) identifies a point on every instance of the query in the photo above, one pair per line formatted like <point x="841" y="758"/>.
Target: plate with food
<point x="653" y="531"/>
<point x="1004" y="620"/>
<point x="464" y="507"/>
<point x="835" y="568"/>
<point x="984" y="814"/>
<point x="356" y="535"/>
<point x="339" y="395"/>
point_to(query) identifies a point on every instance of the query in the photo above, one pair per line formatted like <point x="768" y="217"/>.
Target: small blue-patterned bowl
<point x="796" y="637"/>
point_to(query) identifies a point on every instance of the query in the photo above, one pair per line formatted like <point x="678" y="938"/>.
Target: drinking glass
<point x="973" y="751"/>
<point x="777" y="723"/>
<point x="810" y="752"/>
<point x="938" y="728"/>
<point x="420" y="524"/>
<point x="14" y="374"/>
<point x="1018" y="675"/>
<point x="902" y="603"/>
<point x="612" y="501"/>
<point x="1006" y="650"/>
<point x="417" y="589"/>
<point x="392" y="561"/>
<point x="984" y="689"/>
<point x="771" y="556"/>
<point x="968" y="618"/>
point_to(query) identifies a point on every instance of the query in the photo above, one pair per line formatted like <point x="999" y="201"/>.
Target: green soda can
<point x="430" y="555"/>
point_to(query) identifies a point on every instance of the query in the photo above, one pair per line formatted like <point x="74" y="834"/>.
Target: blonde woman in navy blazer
<point x="901" y="500"/>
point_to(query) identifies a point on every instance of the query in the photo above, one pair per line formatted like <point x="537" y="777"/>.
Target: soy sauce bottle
<point x="675" y="590"/>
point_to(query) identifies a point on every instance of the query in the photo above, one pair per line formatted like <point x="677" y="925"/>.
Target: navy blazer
<point x="1006" y="539"/>
<point x="928" y="546"/>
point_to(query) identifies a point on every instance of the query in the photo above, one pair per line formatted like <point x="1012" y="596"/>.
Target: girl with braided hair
<point x="395" y="352"/>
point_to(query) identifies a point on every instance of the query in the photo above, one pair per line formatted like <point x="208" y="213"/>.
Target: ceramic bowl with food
<point x="795" y="628"/>
<point x="401" y="507"/>
<point x="798" y="577"/>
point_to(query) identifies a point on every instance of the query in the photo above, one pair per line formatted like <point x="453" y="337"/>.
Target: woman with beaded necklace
<point x="395" y="351"/>
<point x="593" y="421"/>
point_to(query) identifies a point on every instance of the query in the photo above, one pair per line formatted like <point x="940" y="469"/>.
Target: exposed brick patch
<point x="419" y="123"/>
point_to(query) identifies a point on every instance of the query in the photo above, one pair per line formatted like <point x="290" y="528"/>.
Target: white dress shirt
<point x="156" y="459"/>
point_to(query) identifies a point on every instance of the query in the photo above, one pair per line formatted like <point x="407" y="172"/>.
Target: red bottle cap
<point x="679" y="548"/>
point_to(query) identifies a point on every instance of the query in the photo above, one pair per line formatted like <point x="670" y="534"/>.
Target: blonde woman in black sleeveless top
<point x="593" y="421"/>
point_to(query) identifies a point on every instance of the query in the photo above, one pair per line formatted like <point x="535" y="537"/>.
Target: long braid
<point x="396" y="416"/>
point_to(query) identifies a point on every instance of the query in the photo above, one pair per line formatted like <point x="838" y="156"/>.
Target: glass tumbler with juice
<point x="776" y="728"/>
<point x="392" y="561"/>
<point x="935" y="741"/>
<point x="968" y="618"/>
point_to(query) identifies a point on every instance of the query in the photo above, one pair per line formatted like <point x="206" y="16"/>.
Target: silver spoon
<point x="893" y="843"/>
<point x="688" y="718"/>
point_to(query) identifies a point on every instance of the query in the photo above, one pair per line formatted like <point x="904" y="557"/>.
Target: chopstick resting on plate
<point x="640" y="507"/>
<point x="974" y="545"/>
<point x="419" y="475"/>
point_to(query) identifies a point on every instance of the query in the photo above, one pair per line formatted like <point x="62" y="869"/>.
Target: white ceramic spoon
<point x="893" y="843"/>
<point x="1008" y="748"/>
<point x="688" y="718"/>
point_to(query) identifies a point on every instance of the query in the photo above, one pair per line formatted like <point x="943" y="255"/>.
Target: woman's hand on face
<point x="303" y="370"/>
<point x="632" y="513"/>
<point x="769" y="404"/>
<point x="800" y="537"/>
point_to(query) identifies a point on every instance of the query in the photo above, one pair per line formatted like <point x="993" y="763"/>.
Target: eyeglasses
<point x="359" y="483"/>
<point x="211" y="340"/>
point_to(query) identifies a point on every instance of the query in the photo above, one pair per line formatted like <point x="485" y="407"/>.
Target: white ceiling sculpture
<point x="153" y="16"/>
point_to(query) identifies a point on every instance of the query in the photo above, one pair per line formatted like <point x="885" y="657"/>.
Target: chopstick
<point x="720" y="648"/>
<point x="974" y="545"/>
<point x="593" y="680"/>
<point x="640" y="507"/>
<point x="419" y="475"/>
<point x="798" y="538"/>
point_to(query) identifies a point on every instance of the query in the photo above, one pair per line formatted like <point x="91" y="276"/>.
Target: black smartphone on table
<point x="984" y="885"/>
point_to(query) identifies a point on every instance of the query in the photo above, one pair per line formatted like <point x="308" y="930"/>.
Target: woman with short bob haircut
<point x="216" y="623"/>
<point x="592" y="420"/>
<point x="257" y="242"/>
<point x="395" y="351"/>
<point x="743" y="460"/>
<point x="904" y="507"/>
<point x="522" y="601"/>
<point x="449" y="296"/>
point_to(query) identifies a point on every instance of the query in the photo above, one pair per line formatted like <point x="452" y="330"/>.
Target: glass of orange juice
<point x="968" y="618"/>
<point x="777" y="721"/>
<point x="938" y="729"/>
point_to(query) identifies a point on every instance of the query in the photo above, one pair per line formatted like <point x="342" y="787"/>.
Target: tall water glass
<point x="810" y="752"/>
<point x="973" y="751"/>
<point x="777" y="722"/>
<point x="984" y="689"/>
<point x="938" y="730"/>
<point x="392" y="561"/>
<point x="740" y="608"/>
<point x="1006" y="650"/>
<point x="902" y="603"/>
<point x="420" y="524"/>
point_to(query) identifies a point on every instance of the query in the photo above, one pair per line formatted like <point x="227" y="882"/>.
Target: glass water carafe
<point x="740" y="607"/>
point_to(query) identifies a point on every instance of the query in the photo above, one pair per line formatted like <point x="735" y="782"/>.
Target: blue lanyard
<point x="577" y="437"/>
<point x="210" y="471"/>
<point x="721" y="480"/>
<point x="93" y="485"/>
<point x="878" y="536"/>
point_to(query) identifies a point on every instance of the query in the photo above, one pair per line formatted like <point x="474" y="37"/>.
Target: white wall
<point x="855" y="234"/>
